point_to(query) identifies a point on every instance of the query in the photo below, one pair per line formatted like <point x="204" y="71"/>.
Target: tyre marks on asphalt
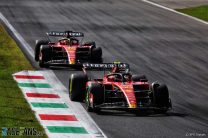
<point x="57" y="117"/>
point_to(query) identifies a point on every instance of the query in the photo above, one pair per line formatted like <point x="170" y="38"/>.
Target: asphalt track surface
<point x="164" y="46"/>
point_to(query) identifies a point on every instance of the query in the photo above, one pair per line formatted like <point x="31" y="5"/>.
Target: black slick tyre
<point x="44" y="55"/>
<point x="96" y="55"/>
<point x="37" y="47"/>
<point x="77" y="87"/>
<point x="161" y="98"/>
<point x="94" y="97"/>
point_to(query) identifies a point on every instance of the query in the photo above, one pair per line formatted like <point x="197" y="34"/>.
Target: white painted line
<point x="18" y="36"/>
<point x="48" y="91"/>
<point x="63" y="112"/>
<point x="29" y="72"/>
<point x="169" y="9"/>
<point x="30" y="81"/>
<point x="61" y="123"/>
<point x="44" y="100"/>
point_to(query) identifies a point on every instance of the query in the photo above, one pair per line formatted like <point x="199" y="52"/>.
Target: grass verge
<point x="200" y="12"/>
<point x="15" y="112"/>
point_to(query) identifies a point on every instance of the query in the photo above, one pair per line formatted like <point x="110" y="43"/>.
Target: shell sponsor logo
<point x="71" y="48"/>
<point x="133" y="105"/>
<point x="72" y="61"/>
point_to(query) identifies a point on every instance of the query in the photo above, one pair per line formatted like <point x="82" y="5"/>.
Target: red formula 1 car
<point x="66" y="50"/>
<point x="119" y="90"/>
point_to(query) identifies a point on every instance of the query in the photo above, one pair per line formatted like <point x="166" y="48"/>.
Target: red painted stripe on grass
<point x="58" y="117"/>
<point x="42" y="95"/>
<point x="28" y="77"/>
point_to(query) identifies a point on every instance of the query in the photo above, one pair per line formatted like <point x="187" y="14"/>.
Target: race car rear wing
<point x="103" y="67"/>
<point x="106" y="66"/>
<point x="65" y="34"/>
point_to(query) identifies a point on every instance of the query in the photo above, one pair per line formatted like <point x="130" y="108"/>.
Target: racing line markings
<point x="57" y="117"/>
<point x="41" y="95"/>
<point x="28" y="77"/>
<point x="34" y="84"/>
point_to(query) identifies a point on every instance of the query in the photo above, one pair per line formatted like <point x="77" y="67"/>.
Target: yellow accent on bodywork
<point x="133" y="106"/>
<point x="72" y="61"/>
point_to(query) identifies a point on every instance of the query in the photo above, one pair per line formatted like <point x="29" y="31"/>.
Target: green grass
<point x="200" y="12"/>
<point x="14" y="109"/>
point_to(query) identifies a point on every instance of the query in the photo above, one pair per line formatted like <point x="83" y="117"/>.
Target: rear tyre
<point x="96" y="55"/>
<point x="44" y="55"/>
<point x="161" y="98"/>
<point x="37" y="47"/>
<point x="77" y="87"/>
<point x="94" y="96"/>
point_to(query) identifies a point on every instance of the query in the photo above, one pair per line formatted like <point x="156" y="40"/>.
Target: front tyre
<point x="77" y="87"/>
<point x="161" y="99"/>
<point x="96" y="55"/>
<point x="37" y="47"/>
<point x="94" y="97"/>
<point x="44" y="55"/>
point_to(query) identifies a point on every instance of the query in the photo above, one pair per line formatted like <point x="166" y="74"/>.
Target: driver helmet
<point x="74" y="41"/>
<point x="111" y="78"/>
<point x="64" y="42"/>
<point x="127" y="77"/>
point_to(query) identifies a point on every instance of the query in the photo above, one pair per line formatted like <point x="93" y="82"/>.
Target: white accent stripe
<point x="166" y="8"/>
<point x="29" y="73"/>
<point x="31" y="81"/>
<point x="54" y="112"/>
<point x="33" y="90"/>
<point x="61" y="123"/>
<point x="45" y="100"/>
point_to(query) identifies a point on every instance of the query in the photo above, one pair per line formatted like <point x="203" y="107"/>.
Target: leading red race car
<point x="66" y="50"/>
<point x="119" y="90"/>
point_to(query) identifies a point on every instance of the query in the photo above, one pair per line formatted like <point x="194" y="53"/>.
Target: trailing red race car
<point x="66" y="50"/>
<point x="119" y="90"/>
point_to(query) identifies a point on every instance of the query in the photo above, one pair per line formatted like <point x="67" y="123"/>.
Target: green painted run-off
<point x="65" y="129"/>
<point x="49" y="105"/>
<point x="34" y="85"/>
